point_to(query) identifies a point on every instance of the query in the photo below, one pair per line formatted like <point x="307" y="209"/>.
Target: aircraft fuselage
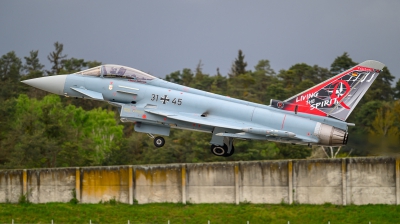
<point x="177" y="98"/>
<point x="314" y="117"/>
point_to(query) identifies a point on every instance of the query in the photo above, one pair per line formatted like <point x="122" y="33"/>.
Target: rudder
<point x="336" y="97"/>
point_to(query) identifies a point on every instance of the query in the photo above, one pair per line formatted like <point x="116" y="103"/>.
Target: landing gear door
<point x="131" y="111"/>
<point x="217" y="140"/>
<point x="222" y="140"/>
<point x="152" y="129"/>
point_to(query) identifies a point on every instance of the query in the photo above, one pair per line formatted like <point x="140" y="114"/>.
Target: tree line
<point x="38" y="129"/>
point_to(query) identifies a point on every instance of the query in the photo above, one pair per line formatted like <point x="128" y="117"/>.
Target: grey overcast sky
<point x="164" y="36"/>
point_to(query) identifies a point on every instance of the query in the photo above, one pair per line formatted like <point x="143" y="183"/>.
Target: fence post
<point x="397" y="170"/>
<point x="348" y="182"/>
<point x="78" y="183"/>
<point x="183" y="169"/>
<point x="25" y="183"/>
<point x="290" y="181"/>
<point x="344" y="182"/>
<point x="130" y="185"/>
<point x="237" y="197"/>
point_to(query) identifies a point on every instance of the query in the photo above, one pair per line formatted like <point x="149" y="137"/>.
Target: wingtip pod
<point x="372" y="64"/>
<point x="337" y="96"/>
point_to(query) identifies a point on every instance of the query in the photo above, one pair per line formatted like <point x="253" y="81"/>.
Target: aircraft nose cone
<point x="54" y="84"/>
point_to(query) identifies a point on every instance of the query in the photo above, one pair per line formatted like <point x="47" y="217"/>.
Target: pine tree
<point x="10" y="75"/>
<point x="238" y="66"/>
<point x="342" y="63"/>
<point x="397" y="90"/>
<point x="381" y="88"/>
<point x="32" y="63"/>
<point x="56" y="58"/>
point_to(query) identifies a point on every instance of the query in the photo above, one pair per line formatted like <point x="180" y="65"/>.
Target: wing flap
<point x="243" y="135"/>
<point x="213" y="121"/>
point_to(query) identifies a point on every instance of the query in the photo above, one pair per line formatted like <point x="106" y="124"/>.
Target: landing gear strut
<point x="222" y="150"/>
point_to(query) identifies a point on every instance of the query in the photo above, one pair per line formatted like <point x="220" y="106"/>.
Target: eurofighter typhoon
<point x="316" y="116"/>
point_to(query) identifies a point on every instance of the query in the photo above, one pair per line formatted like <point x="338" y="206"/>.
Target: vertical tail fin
<point x="337" y="96"/>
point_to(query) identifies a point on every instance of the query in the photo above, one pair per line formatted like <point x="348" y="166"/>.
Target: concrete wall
<point x="49" y="185"/>
<point x="158" y="183"/>
<point x="376" y="184"/>
<point x="337" y="181"/>
<point x="103" y="184"/>
<point x="264" y="182"/>
<point x="10" y="185"/>
<point x="210" y="183"/>
<point x="317" y="182"/>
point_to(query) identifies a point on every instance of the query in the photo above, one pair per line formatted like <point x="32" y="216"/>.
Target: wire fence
<point x="167" y="222"/>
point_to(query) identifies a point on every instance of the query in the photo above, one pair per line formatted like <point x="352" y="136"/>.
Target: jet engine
<point x="330" y="136"/>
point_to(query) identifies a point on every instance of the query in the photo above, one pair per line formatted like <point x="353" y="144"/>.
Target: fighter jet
<point x="316" y="116"/>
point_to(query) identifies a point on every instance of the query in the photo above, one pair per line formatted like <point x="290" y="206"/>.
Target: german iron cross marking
<point x="164" y="99"/>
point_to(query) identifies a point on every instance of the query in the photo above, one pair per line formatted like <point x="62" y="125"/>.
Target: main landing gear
<point x="158" y="141"/>
<point x="222" y="150"/>
<point x="226" y="150"/>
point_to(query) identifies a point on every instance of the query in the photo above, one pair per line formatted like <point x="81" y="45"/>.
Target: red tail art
<point x="337" y="96"/>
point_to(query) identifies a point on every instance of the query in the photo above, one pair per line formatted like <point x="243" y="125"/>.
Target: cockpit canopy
<point x="118" y="71"/>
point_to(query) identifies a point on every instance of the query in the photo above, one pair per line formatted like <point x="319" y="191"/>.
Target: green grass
<point x="197" y="213"/>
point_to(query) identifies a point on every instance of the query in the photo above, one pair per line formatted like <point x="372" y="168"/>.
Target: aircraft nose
<point x="54" y="84"/>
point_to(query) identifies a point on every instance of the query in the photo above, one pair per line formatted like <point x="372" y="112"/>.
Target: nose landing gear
<point x="158" y="141"/>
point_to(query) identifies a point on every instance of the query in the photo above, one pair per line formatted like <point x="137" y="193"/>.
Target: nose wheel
<point x="159" y="141"/>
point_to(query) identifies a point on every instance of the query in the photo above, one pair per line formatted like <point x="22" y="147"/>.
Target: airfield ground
<point x="113" y="212"/>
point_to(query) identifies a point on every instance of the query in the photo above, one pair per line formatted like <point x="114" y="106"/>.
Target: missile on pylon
<point x="270" y="132"/>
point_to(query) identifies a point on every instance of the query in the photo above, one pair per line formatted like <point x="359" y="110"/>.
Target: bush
<point x="74" y="200"/>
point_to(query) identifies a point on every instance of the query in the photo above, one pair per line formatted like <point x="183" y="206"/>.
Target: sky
<point x="161" y="37"/>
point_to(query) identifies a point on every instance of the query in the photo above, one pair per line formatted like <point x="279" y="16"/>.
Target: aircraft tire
<point x="229" y="154"/>
<point x="159" y="141"/>
<point x="218" y="150"/>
